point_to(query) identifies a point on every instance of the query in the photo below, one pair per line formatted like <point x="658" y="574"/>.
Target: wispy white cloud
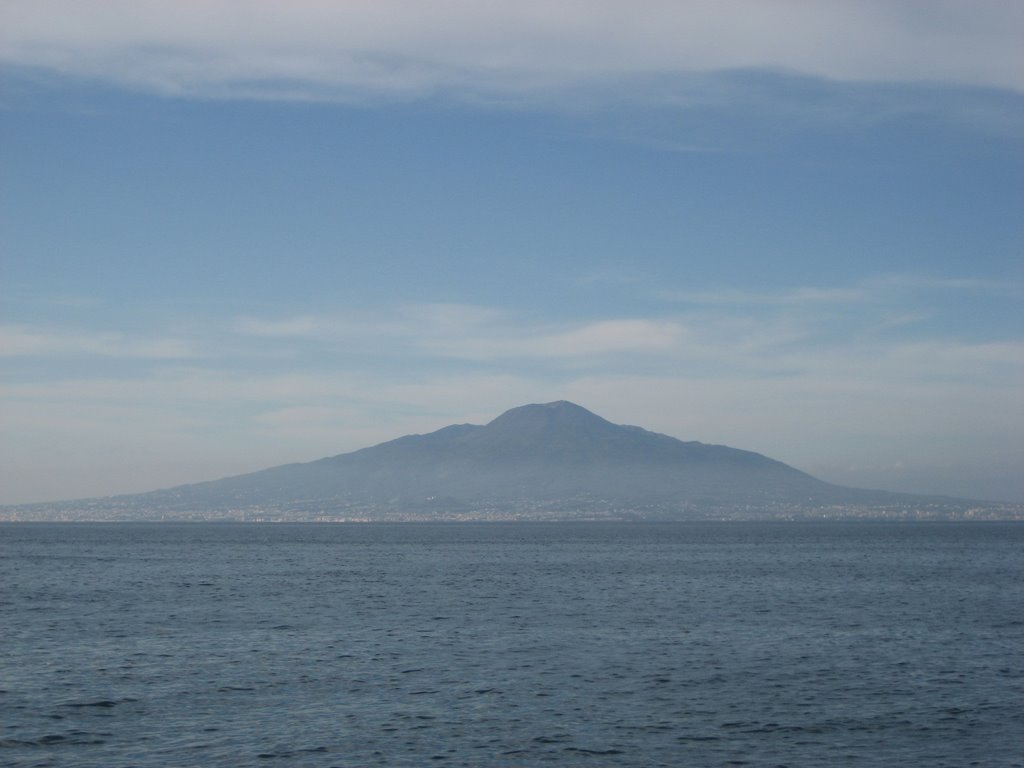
<point x="767" y="333"/>
<point x="364" y="48"/>
<point x="787" y="298"/>
<point x="406" y="321"/>
<point x="878" y="289"/>
<point x="449" y="316"/>
<point x="291" y="327"/>
<point x="30" y="341"/>
<point x="926" y="282"/>
<point x="588" y="340"/>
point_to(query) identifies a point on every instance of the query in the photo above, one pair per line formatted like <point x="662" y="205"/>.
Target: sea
<point x="512" y="644"/>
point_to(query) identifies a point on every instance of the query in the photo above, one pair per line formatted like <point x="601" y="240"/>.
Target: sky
<point x="240" y="234"/>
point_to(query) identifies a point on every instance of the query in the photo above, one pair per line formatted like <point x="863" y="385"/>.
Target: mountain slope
<point x="555" y="455"/>
<point x="550" y="461"/>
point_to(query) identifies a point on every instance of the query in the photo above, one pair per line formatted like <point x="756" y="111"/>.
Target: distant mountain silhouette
<point x="555" y="459"/>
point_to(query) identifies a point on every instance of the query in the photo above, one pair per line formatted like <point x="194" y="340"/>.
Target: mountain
<point x="555" y="460"/>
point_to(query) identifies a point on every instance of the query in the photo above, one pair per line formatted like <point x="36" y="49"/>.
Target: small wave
<point x="555" y="739"/>
<point x="70" y="738"/>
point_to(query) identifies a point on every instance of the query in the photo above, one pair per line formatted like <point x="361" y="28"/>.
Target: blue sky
<point x="237" y="236"/>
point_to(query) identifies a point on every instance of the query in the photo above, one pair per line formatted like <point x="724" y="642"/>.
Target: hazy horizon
<point x="237" y="240"/>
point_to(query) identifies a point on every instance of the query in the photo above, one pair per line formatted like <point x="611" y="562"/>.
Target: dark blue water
<point x="618" y="644"/>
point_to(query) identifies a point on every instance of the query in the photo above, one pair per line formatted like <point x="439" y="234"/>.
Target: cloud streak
<point x="496" y="48"/>
<point x="30" y="341"/>
<point x="879" y="289"/>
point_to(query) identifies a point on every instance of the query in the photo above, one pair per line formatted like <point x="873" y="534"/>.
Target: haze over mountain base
<point x="556" y="461"/>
